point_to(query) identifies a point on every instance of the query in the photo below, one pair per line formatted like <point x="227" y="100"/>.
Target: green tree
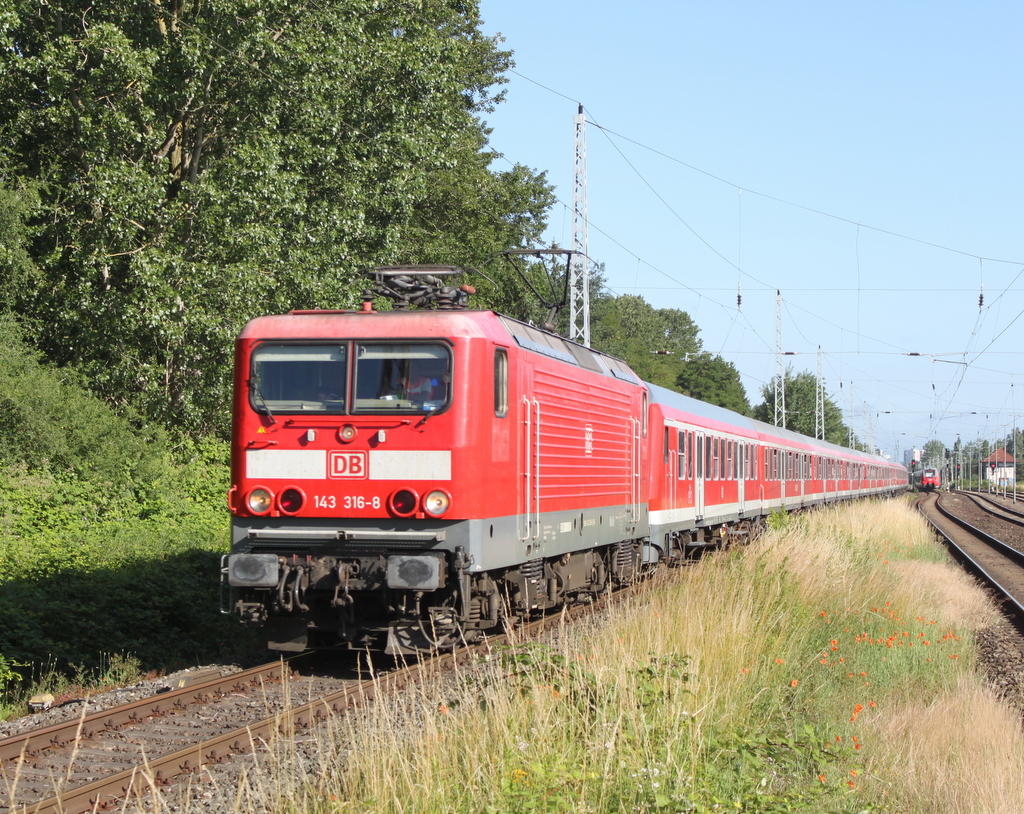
<point x="202" y="163"/>
<point x="710" y="378"/>
<point x="655" y="342"/>
<point x="16" y="206"/>
<point x="801" y="405"/>
<point x="934" y="454"/>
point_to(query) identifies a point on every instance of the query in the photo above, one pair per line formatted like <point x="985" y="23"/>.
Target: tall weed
<point x="792" y="675"/>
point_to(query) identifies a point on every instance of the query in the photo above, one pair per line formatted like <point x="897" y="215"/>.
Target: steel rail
<point x="35" y="741"/>
<point x="165" y="770"/>
<point x="1002" y="548"/>
<point x="1002" y="512"/>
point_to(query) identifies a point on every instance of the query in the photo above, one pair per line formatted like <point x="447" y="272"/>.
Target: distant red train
<point x="405" y="480"/>
<point x="927" y="479"/>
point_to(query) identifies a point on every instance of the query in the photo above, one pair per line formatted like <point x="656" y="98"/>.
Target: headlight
<point x="259" y="500"/>
<point x="436" y="503"/>
<point x="346" y="433"/>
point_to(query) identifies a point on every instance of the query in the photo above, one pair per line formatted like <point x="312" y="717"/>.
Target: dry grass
<point x="827" y="667"/>
<point x="960" y="752"/>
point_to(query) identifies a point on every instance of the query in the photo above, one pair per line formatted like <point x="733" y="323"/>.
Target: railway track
<point x="110" y="760"/>
<point x="999" y="506"/>
<point x="990" y="558"/>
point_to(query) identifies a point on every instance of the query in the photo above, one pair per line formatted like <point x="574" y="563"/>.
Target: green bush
<point x="109" y="541"/>
<point x="52" y="423"/>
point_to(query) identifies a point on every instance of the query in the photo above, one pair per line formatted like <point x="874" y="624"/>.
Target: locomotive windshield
<point x="392" y="377"/>
<point x="299" y="378"/>
<point x="388" y="378"/>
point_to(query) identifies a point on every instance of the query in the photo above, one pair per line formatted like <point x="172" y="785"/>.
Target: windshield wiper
<point x="429" y="412"/>
<point x="256" y="389"/>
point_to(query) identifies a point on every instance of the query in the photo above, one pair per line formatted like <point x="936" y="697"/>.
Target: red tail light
<point x="291" y="500"/>
<point x="403" y="502"/>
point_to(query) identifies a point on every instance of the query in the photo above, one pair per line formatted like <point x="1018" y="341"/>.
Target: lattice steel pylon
<point x="579" y="272"/>
<point x="853" y="417"/>
<point x="780" y="367"/>
<point x="819" y="402"/>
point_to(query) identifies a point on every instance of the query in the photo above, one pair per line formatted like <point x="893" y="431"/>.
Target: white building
<point x="998" y="468"/>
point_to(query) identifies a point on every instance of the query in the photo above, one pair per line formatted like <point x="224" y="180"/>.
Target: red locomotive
<point x="403" y="480"/>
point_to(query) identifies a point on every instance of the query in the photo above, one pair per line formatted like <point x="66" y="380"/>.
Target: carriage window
<point x="666" y="445"/>
<point x="298" y="378"/>
<point x="401" y="378"/>
<point x="681" y="466"/>
<point x="500" y="382"/>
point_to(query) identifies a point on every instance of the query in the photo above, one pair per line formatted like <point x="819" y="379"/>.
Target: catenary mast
<point x="579" y="274"/>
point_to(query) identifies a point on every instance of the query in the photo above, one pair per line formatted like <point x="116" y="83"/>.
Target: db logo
<point x="347" y="465"/>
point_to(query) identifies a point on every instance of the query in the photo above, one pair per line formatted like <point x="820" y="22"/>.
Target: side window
<point x="500" y="382"/>
<point x="681" y="441"/>
<point x="665" y="445"/>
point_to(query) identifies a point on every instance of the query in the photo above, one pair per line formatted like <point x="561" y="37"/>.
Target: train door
<point x="698" y="475"/>
<point x="741" y="473"/>
<point x="669" y="459"/>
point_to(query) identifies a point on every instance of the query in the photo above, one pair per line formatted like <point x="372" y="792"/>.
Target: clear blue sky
<point x="863" y="159"/>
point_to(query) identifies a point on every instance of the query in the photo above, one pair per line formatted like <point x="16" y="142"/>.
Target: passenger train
<point x="405" y="480"/>
<point x="927" y="479"/>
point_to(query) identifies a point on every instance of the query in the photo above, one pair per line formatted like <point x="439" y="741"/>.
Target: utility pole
<point x="780" y="366"/>
<point x="579" y="279"/>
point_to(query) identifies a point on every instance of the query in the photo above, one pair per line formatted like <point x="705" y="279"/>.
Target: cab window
<point x="401" y="377"/>
<point x="299" y="378"/>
